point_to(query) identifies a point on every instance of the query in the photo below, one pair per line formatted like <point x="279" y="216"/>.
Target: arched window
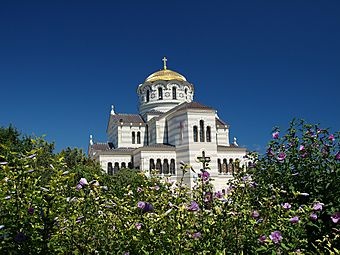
<point x="236" y="166"/>
<point x="116" y="168"/>
<point x="130" y="166"/>
<point x="186" y="91"/>
<point x="231" y="166"/>
<point x="219" y="165"/>
<point x="133" y="137"/>
<point x="172" y="166"/>
<point x="138" y="137"/>
<point x="174" y="93"/>
<point x="152" y="164"/>
<point x="208" y="135"/>
<point x="201" y="131"/>
<point x="166" y="166"/>
<point x="195" y="134"/>
<point x="159" y="166"/>
<point x="225" y="166"/>
<point x="147" y="95"/>
<point x="123" y="165"/>
<point x="109" y="168"/>
<point x="160" y="93"/>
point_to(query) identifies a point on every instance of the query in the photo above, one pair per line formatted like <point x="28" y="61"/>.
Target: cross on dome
<point x="164" y="62"/>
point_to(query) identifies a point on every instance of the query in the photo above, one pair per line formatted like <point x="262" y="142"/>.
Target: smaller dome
<point x="166" y="75"/>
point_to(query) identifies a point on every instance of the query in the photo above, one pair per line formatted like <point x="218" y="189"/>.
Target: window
<point x="133" y="137"/>
<point x="159" y="166"/>
<point x="208" y="135"/>
<point x="174" y="93"/>
<point x="138" y="137"/>
<point x="195" y="134"/>
<point x="201" y="131"/>
<point x="152" y="164"/>
<point x="225" y="166"/>
<point x="219" y="165"/>
<point x="186" y="91"/>
<point x="160" y="93"/>
<point x="147" y="95"/>
<point x="231" y="167"/>
<point x="116" y="168"/>
<point x="123" y="165"/>
<point x="172" y="166"/>
<point x="166" y="166"/>
<point x="109" y="168"/>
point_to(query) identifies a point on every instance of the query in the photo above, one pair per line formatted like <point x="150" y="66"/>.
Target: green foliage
<point x="69" y="206"/>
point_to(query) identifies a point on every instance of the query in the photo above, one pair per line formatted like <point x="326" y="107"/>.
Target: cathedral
<point x="170" y="128"/>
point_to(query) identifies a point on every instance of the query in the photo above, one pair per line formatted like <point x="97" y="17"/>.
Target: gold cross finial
<point x="164" y="61"/>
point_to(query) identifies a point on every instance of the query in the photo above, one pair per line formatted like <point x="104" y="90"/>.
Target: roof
<point x="127" y="118"/>
<point x="232" y="147"/>
<point x="220" y="122"/>
<point x="184" y="106"/>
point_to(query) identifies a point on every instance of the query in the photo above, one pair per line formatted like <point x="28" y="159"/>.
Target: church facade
<point x="170" y="128"/>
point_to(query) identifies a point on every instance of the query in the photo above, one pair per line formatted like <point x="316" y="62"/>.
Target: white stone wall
<point x="125" y="136"/>
<point x="222" y="136"/>
<point x="105" y="159"/>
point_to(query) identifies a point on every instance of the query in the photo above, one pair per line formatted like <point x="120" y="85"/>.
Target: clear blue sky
<point x="259" y="63"/>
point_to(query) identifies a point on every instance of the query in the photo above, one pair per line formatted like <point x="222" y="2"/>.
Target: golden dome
<point x="165" y="74"/>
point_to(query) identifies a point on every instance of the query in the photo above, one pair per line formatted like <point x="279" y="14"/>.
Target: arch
<point x="236" y="166"/>
<point x="172" y="166"/>
<point x="231" y="167"/>
<point x="130" y="166"/>
<point x="160" y="93"/>
<point x="116" y="167"/>
<point x="225" y="166"/>
<point x="147" y="96"/>
<point x="186" y="90"/>
<point x="208" y="134"/>
<point x="219" y="165"/>
<point x="123" y="165"/>
<point x="174" y="92"/>
<point x="110" y="168"/>
<point x="138" y="137"/>
<point x="166" y="166"/>
<point x="133" y="137"/>
<point x="152" y="164"/>
<point x="195" y="131"/>
<point x="201" y="130"/>
<point x="159" y="165"/>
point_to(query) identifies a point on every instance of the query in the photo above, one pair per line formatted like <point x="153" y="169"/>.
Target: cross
<point x="204" y="160"/>
<point x="164" y="62"/>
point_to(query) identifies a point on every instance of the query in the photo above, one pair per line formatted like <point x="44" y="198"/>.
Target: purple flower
<point x="304" y="155"/>
<point x="331" y="137"/>
<point x="193" y="207"/>
<point x="262" y="238"/>
<point x="83" y="182"/>
<point x="205" y="176"/>
<point x="79" y="187"/>
<point x="337" y="156"/>
<point x="141" y="204"/>
<point x="335" y="217"/>
<point x="219" y="194"/>
<point x="275" y="135"/>
<point x="313" y="216"/>
<point x="270" y="152"/>
<point x="281" y="156"/>
<point x="294" y="220"/>
<point x="156" y="187"/>
<point x="255" y="214"/>
<point x="3" y="163"/>
<point x="30" y="210"/>
<point x="32" y="156"/>
<point x="317" y="206"/>
<point x="148" y="207"/>
<point x="275" y="236"/>
<point x="253" y="184"/>
<point x="286" y="206"/>
<point x="138" y="226"/>
<point x="196" y="235"/>
<point x="139" y="189"/>
<point x="301" y="148"/>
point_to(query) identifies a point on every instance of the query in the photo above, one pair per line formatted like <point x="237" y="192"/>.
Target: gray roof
<point x="127" y="118"/>
<point x="231" y="147"/>
<point x="220" y="122"/>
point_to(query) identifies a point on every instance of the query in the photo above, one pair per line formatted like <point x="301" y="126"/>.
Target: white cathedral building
<point x="170" y="128"/>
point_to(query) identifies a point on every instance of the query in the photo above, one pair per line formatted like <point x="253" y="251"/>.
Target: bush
<point x="70" y="207"/>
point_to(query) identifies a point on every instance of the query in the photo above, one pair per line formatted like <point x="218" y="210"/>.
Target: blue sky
<point x="259" y="63"/>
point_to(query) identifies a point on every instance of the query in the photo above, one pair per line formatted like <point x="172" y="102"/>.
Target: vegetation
<point x="286" y="202"/>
